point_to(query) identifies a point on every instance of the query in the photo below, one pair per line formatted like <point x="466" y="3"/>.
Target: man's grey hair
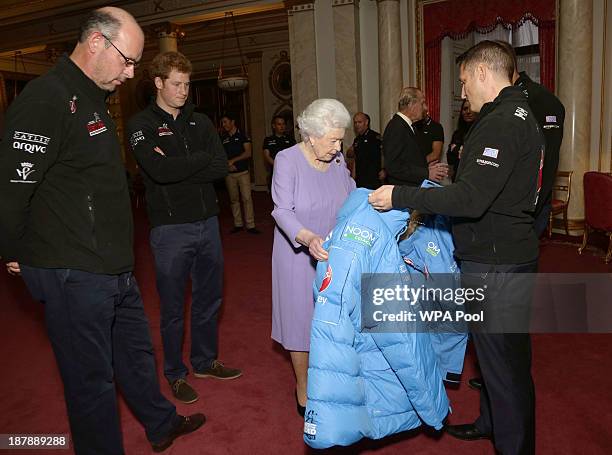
<point x="408" y="96"/>
<point x="321" y="116"/>
<point x="100" y="21"/>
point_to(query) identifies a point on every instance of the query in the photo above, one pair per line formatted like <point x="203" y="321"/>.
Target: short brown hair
<point x="494" y="55"/>
<point x="163" y="64"/>
<point x="510" y="50"/>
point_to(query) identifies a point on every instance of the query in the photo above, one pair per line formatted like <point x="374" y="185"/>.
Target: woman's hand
<point x="314" y="244"/>
<point x="316" y="249"/>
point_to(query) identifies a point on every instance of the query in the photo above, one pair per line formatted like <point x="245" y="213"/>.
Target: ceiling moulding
<point x="213" y="30"/>
<point x="62" y="24"/>
<point x="24" y="51"/>
<point x="24" y="11"/>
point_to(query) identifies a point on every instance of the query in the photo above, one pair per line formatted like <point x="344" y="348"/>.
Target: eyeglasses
<point x="129" y="62"/>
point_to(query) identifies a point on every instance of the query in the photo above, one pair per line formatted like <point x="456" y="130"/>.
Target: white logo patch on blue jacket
<point x="360" y="234"/>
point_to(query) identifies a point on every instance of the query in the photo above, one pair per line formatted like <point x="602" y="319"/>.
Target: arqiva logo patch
<point x="327" y="279"/>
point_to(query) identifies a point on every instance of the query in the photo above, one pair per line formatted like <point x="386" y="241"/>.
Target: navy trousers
<point x="100" y="334"/>
<point x="507" y="400"/>
<point x="182" y="251"/>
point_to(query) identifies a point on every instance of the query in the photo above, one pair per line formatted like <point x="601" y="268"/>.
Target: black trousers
<point x="183" y="251"/>
<point x="100" y="334"/>
<point x="507" y="400"/>
<point x="540" y="223"/>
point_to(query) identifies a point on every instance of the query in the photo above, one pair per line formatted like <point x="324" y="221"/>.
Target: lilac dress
<point x="303" y="198"/>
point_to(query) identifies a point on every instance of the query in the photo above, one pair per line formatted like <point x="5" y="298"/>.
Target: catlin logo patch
<point x="359" y="234"/>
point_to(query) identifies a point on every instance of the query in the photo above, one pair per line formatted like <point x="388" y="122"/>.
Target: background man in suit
<point x="405" y="163"/>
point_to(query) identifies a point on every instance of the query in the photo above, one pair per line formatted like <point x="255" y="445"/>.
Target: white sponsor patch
<point x="192" y="123"/>
<point x="551" y="119"/>
<point x="486" y="163"/>
<point x="136" y="137"/>
<point x="433" y="249"/>
<point x="521" y="113"/>
<point x="491" y="153"/>
<point x="26" y="170"/>
<point x="29" y="142"/>
<point x="29" y="137"/>
<point x="310" y="428"/>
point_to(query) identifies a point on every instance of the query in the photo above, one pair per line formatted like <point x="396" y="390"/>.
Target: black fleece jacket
<point x="179" y="183"/>
<point x="549" y="112"/>
<point x="497" y="186"/>
<point x="64" y="199"/>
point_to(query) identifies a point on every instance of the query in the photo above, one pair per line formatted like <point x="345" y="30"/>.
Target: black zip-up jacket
<point x="496" y="190"/>
<point x="179" y="183"/>
<point x="64" y="199"/>
<point x="549" y="112"/>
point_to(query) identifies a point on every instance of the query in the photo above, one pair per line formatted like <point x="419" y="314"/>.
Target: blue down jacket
<point x="429" y="252"/>
<point x="365" y="384"/>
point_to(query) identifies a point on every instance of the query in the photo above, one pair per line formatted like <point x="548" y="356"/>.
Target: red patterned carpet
<point x="255" y="414"/>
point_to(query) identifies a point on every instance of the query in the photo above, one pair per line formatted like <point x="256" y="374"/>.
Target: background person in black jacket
<point x="453" y="154"/>
<point x="181" y="156"/>
<point x="65" y="217"/>
<point x="405" y="163"/>
<point x="365" y="154"/>
<point x="492" y="203"/>
<point x="278" y="141"/>
<point x="550" y="115"/>
<point x="430" y="137"/>
<point x="238" y="148"/>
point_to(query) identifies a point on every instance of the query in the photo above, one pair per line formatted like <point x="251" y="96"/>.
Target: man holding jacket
<point x="492" y="203"/>
<point x="180" y="155"/>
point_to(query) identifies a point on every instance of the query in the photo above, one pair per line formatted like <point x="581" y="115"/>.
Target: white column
<point x="389" y="58"/>
<point x="575" y="83"/>
<point x="348" y="57"/>
<point x="302" y="45"/>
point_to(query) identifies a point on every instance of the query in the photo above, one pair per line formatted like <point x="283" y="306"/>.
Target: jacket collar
<point x="365" y="133"/>
<point x="507" y="94"/>
<point x="523" y="79"/>
<point x="357" y="202"/>
<point x="185" y="111"/>
<point x="80" y="80"/>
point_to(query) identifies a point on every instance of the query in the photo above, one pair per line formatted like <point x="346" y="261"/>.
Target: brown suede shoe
<point x="183" y="392"/>
<point x="218" y="371"/>
<point x="187" y="425"/>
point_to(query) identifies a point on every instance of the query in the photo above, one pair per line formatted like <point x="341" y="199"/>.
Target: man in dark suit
<point x="405" y="164"/>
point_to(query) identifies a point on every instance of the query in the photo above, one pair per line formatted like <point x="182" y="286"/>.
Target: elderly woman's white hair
<point x="322" y="115"/>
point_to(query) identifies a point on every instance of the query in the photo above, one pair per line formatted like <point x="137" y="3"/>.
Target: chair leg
<point x="609" y="254"/>
<point x="585" y="238"/>
<point x="565" y="221"/>
<point x="550" y="220"/>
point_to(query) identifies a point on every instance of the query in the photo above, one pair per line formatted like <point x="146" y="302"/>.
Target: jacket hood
<point x="357" y="202"/>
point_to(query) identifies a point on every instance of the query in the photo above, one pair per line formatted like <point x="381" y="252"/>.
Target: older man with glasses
<point x="66" y="226"/>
